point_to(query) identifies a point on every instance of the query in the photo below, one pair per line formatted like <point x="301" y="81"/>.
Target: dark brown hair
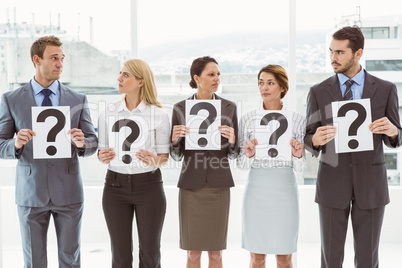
<point x="353" y="34"/>
<point x="197" y="67"/>
<point x="39" y="46"/>
<point x="280" y="76"/>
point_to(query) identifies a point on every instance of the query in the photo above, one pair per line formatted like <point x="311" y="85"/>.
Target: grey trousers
<point x="34" y="224"/>
<point x="366" y="224"/>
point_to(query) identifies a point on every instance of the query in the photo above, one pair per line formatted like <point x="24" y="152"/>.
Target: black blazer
<point x="359" y="175"/>
<point x="202" y="166"/>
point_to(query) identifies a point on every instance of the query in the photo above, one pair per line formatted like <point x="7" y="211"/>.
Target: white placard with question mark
<point x="352" y="119"/>
<point x="126" y="136"/>
<point x="273" y="131"/>
<point x="203" y="117"/>
<point x="51" y="124"/>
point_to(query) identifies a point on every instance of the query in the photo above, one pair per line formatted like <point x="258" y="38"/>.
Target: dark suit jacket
<point x="40" y="180"/>
<point x="201" y="166"/>
<point x="359" y="175"/>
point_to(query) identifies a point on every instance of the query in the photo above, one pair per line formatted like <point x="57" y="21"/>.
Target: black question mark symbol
<point x="283" y="126"/>
<point x="51" y="136"/>
<point x="135" y="132"/>
<point x="202" y="142"/>
<point x="361" y="117"/>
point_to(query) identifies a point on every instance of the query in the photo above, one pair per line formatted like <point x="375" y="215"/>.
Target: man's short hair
<point x="353" y="34"/>
<point x="38" y="47"/>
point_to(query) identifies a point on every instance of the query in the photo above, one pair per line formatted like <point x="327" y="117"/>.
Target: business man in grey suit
<point x="351" y="183"/>
<point x="46" y="187"/>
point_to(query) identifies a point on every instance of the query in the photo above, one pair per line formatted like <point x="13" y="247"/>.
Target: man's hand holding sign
<point x="362" y="138"/>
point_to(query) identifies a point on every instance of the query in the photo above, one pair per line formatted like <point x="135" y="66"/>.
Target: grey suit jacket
<point x="358" y="175"/>
<point x="201" y="166"/>
<point x="40" y="180"/>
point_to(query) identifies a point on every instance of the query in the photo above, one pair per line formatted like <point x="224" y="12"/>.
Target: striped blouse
<point x="247" y="132"/>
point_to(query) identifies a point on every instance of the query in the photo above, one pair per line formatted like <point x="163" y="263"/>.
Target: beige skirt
<point x="204" y="217"/>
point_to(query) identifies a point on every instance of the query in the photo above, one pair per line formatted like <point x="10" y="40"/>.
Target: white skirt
<point x="271" y="211"/>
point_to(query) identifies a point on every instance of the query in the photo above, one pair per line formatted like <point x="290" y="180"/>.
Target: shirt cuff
<point x="18" y="152"/>
<point x="81" y="150"/>
<point x="394" y="143"/>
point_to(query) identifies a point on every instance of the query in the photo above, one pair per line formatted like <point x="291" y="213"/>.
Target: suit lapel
<point x="369" y="86"/>
<point x="334" y="89"/>
<point x="63" y="96"/>
<point x="225" y="107"/>
<point x="26" y="96"/>
<point x="226" y="111"/>
<point x="29" y="95"/>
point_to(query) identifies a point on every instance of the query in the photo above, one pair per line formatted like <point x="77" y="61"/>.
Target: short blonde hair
<point x="141" y="70"/>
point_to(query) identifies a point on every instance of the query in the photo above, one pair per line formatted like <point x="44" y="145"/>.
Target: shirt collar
<point x="37" y="88"/>
<point x="358" y="78"/>
<point x="194" y="97"/>
<point x="261" y="107"/>
<point x="123" y="107"/>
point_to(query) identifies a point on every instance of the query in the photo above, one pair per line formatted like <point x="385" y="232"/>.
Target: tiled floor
<point x="308" y="256"/>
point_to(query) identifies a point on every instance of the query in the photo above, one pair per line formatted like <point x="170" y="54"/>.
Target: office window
<point x="376" y="32"/>
<point x="391" y="162"/>
<point x="384" y="65"/>
<point x="243" y="36"/>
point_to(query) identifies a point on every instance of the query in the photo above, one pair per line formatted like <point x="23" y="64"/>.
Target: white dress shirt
<point x="159" y="132"/>
<point x="247" y="132"/>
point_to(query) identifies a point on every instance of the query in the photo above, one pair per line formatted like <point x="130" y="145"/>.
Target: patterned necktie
<point x="348" y="93"/>
<point x="46" y="101"/>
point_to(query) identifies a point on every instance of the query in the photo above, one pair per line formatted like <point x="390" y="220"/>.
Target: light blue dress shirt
<point x="358" y="85"/>
<point x="55" y="98"/>
<point x="54" y="87"/>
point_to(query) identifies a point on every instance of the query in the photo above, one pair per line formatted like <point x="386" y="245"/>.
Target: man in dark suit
<point x="46" y="187"/>
<point x="351" y="183"/>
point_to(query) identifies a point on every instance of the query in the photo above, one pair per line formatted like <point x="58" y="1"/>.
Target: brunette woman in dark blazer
<point x="205" y="178"/>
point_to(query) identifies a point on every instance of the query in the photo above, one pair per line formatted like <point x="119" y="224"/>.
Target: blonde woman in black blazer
<point x="205" y="178"/>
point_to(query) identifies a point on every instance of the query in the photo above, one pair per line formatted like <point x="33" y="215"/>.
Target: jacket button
<point x="350" y="165"/>
<point x="49" y="164"/>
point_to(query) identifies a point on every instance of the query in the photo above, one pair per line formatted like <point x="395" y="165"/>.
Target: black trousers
<point x="141" y="194"/>
<point x="366" y="225"/>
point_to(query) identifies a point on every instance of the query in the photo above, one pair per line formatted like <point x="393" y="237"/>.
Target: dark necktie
<point x="46" y="101"/>
<point x="348" y="92"/>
